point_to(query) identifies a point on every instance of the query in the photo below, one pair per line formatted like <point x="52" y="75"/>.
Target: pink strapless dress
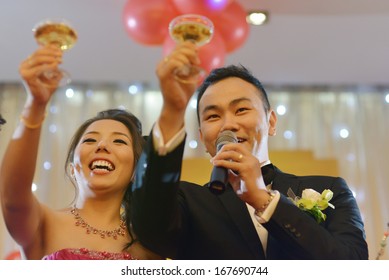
<point x="86" y="254"/>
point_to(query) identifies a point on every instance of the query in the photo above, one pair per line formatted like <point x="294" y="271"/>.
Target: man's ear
<point x="272" y="123"/>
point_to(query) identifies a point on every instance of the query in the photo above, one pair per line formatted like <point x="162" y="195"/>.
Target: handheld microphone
<point x="219" y="176"/>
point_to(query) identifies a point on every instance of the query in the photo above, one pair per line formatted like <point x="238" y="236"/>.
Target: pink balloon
<point x="203" y="7"/>
<point x="168" y="45"/>
<point x="232" y="25"/>
<point x="212" y="55"/>
<point x="147" y="21"/>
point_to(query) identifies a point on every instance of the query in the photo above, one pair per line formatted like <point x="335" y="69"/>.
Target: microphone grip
<point x="219" y="179"/>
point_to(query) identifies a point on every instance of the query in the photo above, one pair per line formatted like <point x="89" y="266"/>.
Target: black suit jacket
<point x="182" y="220"/>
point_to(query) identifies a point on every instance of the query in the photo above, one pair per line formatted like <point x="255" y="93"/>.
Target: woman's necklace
<point x="121" y="230"/>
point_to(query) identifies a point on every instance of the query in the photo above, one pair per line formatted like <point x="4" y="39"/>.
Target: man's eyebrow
<point x="233" y="102"/>
<point x="210" y="107"/>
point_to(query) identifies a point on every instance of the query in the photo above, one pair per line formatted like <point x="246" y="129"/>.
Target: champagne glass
<point x="196" y="28"/>
<point x="60" y="33"/>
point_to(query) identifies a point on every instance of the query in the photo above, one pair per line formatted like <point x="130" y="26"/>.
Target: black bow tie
<point x="268" y="173"/>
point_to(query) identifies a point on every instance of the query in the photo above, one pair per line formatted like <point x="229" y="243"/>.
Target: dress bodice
<point x="86" y="254"/>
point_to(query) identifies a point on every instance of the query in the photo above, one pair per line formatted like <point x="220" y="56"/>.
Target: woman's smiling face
<point x="104" y="157"/>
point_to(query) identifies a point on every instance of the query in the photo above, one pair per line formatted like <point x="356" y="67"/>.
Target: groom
<point x="253" y="218"/>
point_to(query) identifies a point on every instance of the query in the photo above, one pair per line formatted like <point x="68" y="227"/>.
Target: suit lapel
<point x="281" y="182"/>
<point x="238" y="212"/>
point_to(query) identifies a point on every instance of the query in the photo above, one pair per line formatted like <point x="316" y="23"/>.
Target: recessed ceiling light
<point x="257" y="17"/>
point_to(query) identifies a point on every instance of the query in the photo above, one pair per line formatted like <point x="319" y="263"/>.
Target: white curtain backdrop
<point x="350" y="124"/>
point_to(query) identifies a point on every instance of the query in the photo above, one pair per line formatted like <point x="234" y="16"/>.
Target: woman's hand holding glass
<point x="44" y="59"/>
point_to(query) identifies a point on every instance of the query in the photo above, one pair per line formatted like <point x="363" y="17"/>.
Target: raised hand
<point x="176" y="94"/>
<point x="32" y="70"/>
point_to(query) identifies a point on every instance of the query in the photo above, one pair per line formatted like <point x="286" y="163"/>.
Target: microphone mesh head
<point x="225" y="137"/>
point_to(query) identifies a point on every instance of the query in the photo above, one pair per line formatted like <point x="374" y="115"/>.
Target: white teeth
<point x="102" y="164"/>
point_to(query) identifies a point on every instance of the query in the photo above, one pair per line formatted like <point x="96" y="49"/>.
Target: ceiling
<point x="305" y="42"/>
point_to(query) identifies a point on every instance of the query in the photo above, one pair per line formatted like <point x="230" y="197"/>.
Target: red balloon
<point x="212" y="55"/>
<point x="147" y="21"/>
<point x="232" y="25"/>
<point x="202" y="7"/>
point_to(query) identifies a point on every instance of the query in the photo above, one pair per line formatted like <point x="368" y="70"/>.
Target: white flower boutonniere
<point x="313" y="202"/>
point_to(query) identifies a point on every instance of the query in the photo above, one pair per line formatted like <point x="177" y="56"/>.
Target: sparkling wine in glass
<point x="196" y="28"/>
<point x="59" y="33"/>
